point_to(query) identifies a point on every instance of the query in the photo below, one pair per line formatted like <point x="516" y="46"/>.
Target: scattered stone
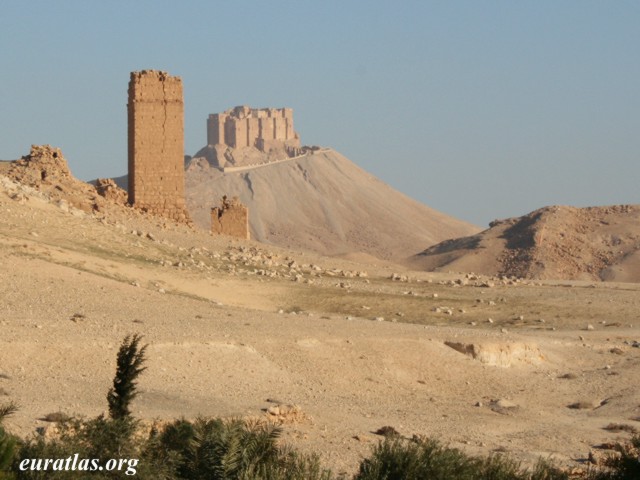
<point x="286" y="413"/>
<point x="399" y="278"/>
<point x="77" y="316"/>
<point x="387" y="431"/>
<point x="108" y="189"/>
<point x="503" y="406"/>
<point x="589" y="327"/>
<point x="585" y="405"/>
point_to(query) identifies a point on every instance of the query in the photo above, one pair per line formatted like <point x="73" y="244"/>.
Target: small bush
<point x="216" y="449"/>
<point x="422" y="458"/>
<point x="624" y="467"/>
<point x="8" y="443"/>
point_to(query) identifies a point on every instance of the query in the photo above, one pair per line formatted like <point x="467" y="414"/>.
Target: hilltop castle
<point x="263" y="128"/>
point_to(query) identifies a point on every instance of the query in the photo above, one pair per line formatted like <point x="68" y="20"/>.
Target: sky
<point x="479" y="109"/>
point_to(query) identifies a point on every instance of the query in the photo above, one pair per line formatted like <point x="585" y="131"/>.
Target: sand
<point x="235" y="327"/>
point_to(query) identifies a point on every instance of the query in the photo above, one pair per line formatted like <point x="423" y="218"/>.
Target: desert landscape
<point x="357" y="240"/>
<point x="332" y="321"/>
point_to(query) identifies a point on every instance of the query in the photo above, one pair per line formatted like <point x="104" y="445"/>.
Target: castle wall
<point x="287" y="113"/>
<point x="253" y="130"/>
<point x="229" y="133"/>
<point x="215" y="128"/>
<point x="156" y="143"/>
<point x="266" y="129"/>
<point x="242" y="137"/>
<point x="280" y="128"/>
<point x="245" y="127"/>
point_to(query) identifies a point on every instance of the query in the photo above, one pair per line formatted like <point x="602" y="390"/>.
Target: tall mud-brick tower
<point x="156" y="144"/>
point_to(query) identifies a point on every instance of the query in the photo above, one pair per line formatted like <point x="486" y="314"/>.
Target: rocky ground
<point x="237" y="328"/>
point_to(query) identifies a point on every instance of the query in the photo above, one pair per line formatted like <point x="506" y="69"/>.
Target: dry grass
<point x="55" y="417"/>
<point x="621" y="427"/>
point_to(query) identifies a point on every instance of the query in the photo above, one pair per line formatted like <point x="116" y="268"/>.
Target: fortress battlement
<point x="262" y="128"/>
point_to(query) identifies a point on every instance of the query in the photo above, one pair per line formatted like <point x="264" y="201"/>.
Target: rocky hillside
<point x="325" y="203"/>
<point x="45" y="171"/>
<point x="558" y="242"/>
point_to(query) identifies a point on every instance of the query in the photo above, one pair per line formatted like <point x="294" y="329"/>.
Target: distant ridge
<point x="557" y="242"/>
<point x="325" y="203"/>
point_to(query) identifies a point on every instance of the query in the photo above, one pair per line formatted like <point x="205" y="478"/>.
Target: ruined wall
<point x="156" y="144"/>
<point x="231" y="218"/>
<point x="215" y="128"/>
<point x="243" y="126"/>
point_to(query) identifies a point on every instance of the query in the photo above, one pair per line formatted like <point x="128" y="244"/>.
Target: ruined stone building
<point x="231" y="218"/>
<point x="264" y="129"/>
<point x="156" y="144"/>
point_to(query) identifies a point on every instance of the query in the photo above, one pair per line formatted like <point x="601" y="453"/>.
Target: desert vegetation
<point x="237" y="449"/>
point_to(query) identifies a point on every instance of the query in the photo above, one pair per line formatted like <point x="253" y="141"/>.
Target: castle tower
<point x="156" y="144"/>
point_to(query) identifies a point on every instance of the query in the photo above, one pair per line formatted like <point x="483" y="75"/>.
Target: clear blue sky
<point x="481" y="109"/>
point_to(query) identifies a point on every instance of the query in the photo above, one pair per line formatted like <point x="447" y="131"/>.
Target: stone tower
<point x="156" y="144"/>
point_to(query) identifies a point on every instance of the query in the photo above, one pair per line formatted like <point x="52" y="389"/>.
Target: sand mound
<point x="595" y="243"/>
<point x="324" y="203"/>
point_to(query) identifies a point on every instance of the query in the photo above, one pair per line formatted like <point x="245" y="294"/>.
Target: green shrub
<point x="426" y="459"/>
<point x="97" y="438"/>
<point x="233" y="450"/>
<point x="8" y="443"/>
<point x="130" y="360"/>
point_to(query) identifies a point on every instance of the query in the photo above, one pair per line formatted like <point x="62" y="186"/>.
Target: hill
<point x="321" y="202"/>
<point x="558" y="242"/>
